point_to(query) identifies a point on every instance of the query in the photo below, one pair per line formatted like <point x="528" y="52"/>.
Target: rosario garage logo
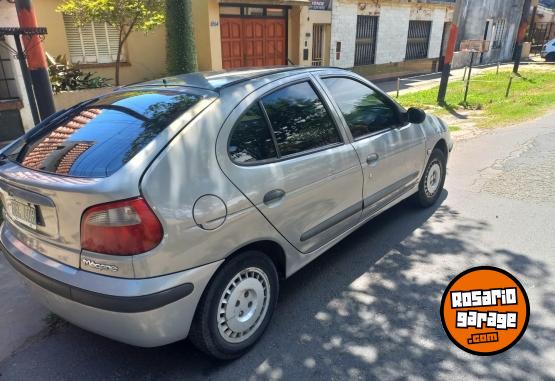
<point x="485" y="310"/>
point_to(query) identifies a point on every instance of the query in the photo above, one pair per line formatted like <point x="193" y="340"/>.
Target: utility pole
<point x="521" y="35"/>
<point x="36" y="59"/>
<point x="446" y="72"/>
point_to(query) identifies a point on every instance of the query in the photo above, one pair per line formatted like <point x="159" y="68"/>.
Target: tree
<point x="125" y="15"/>
<point x="181" y="52"/>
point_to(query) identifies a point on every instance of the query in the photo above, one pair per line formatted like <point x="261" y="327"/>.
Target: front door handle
<point x="372" y="158"/>
<point x="273" y="195"/>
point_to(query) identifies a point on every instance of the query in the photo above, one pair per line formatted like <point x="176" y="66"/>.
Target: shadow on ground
<point x="367" y="309"/>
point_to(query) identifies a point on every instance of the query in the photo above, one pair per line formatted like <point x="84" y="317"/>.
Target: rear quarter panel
<point x="186" y="170"/>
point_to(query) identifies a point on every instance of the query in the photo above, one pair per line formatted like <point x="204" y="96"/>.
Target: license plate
<point x="25" y="214"/>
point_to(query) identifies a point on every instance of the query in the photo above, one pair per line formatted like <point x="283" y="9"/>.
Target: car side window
<point x="251" y="139"/>
<point x="364" y="110"/>
<point x="299" y="119"/>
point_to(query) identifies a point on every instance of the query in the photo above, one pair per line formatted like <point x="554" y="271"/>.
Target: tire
<point x="550" y="57"/>
<point x="249" y="278"/>
<point x="433" y="179"/>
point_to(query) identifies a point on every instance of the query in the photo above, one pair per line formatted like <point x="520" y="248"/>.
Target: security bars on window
<point x="499" y="34"/>
<point x="365" y="44"/>
<point x="418" y="40"/>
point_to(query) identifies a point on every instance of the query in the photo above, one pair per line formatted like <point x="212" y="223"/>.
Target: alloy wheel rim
<point x="433" y="179"/>
<point x="243" y="305"/>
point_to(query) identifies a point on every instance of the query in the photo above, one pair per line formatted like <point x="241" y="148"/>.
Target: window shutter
<point x="113" y="40"/>
<point x="73" y="36"/>
<point x="103" y="48"/>
<point x="89" y="46"/>
<point x="92" y="43"/>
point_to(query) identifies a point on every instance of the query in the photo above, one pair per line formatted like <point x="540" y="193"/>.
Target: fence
<point x="540" y="33"/>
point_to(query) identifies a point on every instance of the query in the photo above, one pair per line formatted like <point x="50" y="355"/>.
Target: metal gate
<point x="11" y="125"/>
<point x="365" y="44"/>
<point x="317" y="44"/>
<point x="540" y="33"/>
<point x="418" y="40"/>
<point x="8" y="87"/>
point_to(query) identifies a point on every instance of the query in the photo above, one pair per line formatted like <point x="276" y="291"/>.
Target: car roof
<point x="217" y="80"/>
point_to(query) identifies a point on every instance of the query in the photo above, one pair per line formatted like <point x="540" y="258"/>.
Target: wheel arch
<point x="271" y="248"/>
<point x="442" y="146"/>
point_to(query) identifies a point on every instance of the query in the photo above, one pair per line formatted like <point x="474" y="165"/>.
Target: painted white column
<point x="436" y="34"/>
<point x="343" y="29"/>
<point x="393" y="28"/>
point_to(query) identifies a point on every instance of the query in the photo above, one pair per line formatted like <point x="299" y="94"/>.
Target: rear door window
<point x="97" y="140"/>
<point x="251" y="140"/>
<point x="299" y="119"/>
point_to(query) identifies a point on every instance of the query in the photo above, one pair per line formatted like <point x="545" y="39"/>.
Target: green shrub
<point x="66" y="77"/>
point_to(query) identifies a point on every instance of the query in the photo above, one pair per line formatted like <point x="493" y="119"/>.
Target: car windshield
<point x="97" y="139"/>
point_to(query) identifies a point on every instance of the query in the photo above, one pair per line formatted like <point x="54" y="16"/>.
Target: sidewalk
<point x="427" y="81"/>
<point x="21" y="316"/>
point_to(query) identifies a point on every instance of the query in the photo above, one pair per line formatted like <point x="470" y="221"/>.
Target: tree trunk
<point x="181" y="52"/>
<point x="118" y="58"/>
<point x="122" y="38"/>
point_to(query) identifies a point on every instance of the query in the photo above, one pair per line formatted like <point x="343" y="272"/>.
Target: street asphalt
<point x="369" y="308"/>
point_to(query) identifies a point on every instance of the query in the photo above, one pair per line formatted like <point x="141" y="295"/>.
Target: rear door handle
<point x="372" y="158"/>
<point x="273" y="195"/>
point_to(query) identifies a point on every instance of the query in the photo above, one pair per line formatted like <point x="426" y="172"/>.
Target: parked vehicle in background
<point x="173" y="208"/>
<point x="548" y="51"/>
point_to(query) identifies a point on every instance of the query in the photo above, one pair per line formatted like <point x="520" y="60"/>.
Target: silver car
<point x="173" y="208"/>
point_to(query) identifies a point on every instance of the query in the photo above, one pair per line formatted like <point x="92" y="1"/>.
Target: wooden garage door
<point x="252" y="42"/>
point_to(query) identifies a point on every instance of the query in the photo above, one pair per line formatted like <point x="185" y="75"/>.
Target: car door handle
<point x="273" y="195"/>
<point x="372" y="158"/>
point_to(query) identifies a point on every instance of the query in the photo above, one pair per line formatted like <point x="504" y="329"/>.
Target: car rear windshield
<point x="97" y="139"/>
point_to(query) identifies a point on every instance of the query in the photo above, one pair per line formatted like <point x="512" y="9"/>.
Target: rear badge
<point x="99" y="266"/>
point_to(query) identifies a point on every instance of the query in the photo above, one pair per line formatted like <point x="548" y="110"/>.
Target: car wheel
<point x="432" y="181"/>
<point x="550" y="57"/>
<point x="236" y="307"/>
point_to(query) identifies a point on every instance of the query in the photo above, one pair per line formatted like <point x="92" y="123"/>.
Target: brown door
<point x="252" y="42"/>
<point x="275" y="42"/>
<point x="232" y="44"/>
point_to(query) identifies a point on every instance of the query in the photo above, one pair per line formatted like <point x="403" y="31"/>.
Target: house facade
<point x="496" y="21"/>
<point x="376" y="38"/>
<point x="382" y="38"/>
<point x="94" y="46"/>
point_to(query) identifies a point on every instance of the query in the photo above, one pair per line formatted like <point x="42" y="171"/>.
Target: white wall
<point x="393" y="28"/>
<point x="8" y="17"/>
<point x="343" y="29"/>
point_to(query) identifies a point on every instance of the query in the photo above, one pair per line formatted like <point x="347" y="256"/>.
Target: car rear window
<point x="98" y="139"/>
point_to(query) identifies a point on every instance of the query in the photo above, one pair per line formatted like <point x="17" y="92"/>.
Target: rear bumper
<point x="143" y="312"/>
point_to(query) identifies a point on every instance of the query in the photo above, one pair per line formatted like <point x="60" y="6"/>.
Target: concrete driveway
<point x="369" y="309"/>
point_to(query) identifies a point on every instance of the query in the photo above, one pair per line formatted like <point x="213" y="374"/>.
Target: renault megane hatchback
<point x="173" y="208"/>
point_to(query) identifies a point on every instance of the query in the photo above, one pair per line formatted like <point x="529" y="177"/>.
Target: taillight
<point x="125" y="227"/>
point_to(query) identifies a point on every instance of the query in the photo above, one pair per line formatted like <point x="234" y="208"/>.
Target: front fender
<point x="436" y="130"/>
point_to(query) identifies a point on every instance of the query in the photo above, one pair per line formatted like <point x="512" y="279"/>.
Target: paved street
<point x="370" y="307"/>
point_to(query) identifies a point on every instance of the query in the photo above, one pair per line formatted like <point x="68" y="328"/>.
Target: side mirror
<point x="416" y="115"/>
